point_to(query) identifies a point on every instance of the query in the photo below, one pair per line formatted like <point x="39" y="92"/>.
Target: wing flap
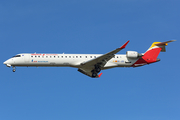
<point x="84" y="72"/>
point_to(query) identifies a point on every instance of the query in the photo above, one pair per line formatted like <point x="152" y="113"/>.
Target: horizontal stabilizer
<point x="164" y="43"/>
<point x="160" y="45"/>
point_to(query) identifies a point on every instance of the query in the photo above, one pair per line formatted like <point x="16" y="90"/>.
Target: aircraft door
<point x="26" y="58"/>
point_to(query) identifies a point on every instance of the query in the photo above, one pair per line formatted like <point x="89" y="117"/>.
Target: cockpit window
<point x="17" y="56"/>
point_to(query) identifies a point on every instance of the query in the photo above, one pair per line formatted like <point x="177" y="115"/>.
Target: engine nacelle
<point x="133" y="54"/>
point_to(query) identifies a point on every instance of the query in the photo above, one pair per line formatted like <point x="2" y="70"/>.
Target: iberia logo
<point x="33" y="61"/>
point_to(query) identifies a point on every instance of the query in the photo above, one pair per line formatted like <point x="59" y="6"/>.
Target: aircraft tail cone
<point x="157" y="60"/>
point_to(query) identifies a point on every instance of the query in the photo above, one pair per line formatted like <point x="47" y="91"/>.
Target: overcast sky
<point x="150" y="92"/>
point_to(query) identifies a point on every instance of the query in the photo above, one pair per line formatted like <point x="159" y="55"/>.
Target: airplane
<point x="90" y="64"/>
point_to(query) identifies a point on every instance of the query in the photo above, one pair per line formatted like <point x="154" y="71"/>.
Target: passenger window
<point x="65" y="56"/>
<point x="31" y="56"/>
<point x="62" y="56"/>
<point x="39" y="56"/>
<point x="80" y="56"/>
<point x="54" y="56"/>
<point x="35" y="56"/>
<point x="94" y="56"/>
<point x="50" y="56"/>
<point x="86" y="56"/>
<point x="69" y="56"/>
<point x="46" y="56"/>
<point x="91" y="56"/>
<point x="76" y="56"/>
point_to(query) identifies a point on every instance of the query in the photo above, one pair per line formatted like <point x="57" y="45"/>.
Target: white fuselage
<point x="90" y="64"/>
<point x="63" y="60"/>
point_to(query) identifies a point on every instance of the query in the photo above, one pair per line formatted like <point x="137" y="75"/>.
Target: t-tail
<point x="150" y="56"/>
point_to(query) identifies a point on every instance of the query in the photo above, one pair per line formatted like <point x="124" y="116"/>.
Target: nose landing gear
<point x="14" y="69"/>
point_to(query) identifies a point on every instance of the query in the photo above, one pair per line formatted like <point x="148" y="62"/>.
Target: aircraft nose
<point x="5" y="62"/>
<point x="8" y="62"/>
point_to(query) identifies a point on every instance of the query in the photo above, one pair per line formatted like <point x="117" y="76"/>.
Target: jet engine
<point x="133" y="54"/>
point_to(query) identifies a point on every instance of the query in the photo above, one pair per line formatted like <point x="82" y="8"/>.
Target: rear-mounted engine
<point x="133" y="54"/>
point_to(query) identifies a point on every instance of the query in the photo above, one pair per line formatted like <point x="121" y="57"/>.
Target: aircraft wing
<point x="88" y="66"/>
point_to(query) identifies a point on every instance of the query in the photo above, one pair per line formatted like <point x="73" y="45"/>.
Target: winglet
<point x="99" y="75"/>
<point x="122" y="47"/>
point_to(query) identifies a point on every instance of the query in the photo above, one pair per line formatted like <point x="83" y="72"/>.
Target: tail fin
<point x="152" y="53"/>
<point x="150" y="56"/>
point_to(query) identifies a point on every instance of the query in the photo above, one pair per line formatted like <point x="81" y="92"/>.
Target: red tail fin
<point x="152" y="53"/>
<point x="150" y="56"/>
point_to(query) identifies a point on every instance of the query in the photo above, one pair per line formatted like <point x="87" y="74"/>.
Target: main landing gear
<point x="94" y="74"/>
<point x="95" y="71"/>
